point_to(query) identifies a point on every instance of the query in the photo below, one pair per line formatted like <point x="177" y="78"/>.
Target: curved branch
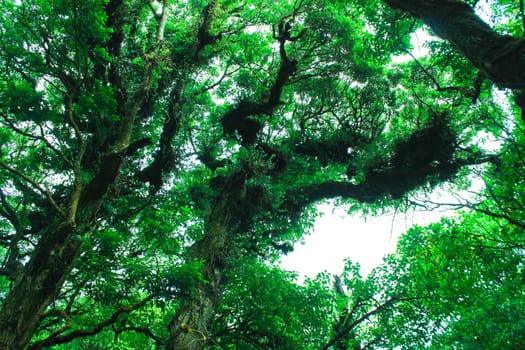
<point x="164" y="159"/>
<point x="146" y="331"/>
<point x="219" y="81"/>
<point x="238" y="119"/>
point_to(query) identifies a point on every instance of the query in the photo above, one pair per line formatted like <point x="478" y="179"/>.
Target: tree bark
<point x="500" y="57"/>
<point x="189" y="327"/>
<point x="35" y="287"/>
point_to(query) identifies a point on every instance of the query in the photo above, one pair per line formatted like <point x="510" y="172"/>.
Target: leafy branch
<point x="55" y="338"/>
<point x="349" y="326"/>
<point x="41" y="138"/>
<point x="472" y="93"/>
<point x="36" y="186"/>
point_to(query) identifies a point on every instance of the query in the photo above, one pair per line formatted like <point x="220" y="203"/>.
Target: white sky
<point x="338" y="236"/>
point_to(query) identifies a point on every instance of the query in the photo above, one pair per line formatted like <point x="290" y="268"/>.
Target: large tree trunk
<point x="37" y="283"/>
<point x="35" y="287"/>
<point x="500" y="57"/>
<point x="189" y="327"/>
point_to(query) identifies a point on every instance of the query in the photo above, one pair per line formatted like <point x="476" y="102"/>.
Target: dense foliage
<point x="156" y="159"/>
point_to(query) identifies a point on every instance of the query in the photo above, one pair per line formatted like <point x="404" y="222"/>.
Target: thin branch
<point x="39" y="138"/>
<point x="60" y="330"/>
<point x="218" y="82"/>
<point x="430" y="76"/>
<point x="522" y="13"/>
<point x="36" y="186"/>
<point x="472" y="206"/>
<point x="363" y="318"/>
<point x="56" y="339"/>
<point x="77" y="187"/>
<point x="500" y="216"/>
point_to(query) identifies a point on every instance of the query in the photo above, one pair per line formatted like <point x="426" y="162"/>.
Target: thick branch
<point x="500" y="57"/>
<point x="12" y="261"/>
<point x="77" y="187"/>
<point x="328" y="150"/>
<point x="162" y="19"/>
<point x="380" y="183"/>
<point x="238" y="119"/>
<point x="204" y="35"/>
<point x="164" y="159"/>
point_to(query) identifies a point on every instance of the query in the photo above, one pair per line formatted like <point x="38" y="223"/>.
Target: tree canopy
<point x="157" y="157"/>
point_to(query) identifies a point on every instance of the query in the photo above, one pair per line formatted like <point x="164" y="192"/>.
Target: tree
<point x="459" y="281"/>
<point x="461" y="287"/>
<point x="151" y="151"/>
